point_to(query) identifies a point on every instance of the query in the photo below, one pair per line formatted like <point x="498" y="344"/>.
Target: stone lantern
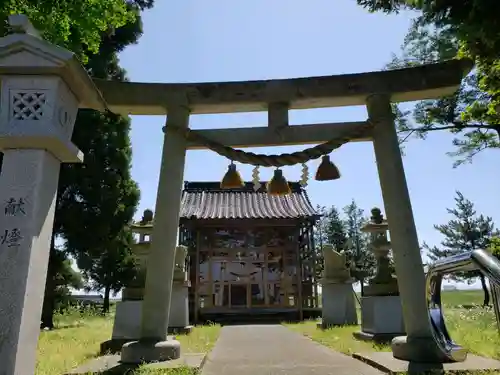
<point x="42" y="87"/>
<point x="381" y="311"/>
<point x="384" y="283"/>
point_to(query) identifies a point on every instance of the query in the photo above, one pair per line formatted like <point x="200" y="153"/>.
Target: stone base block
<point x="111" y="364"/>
<point x="385" y="362"/>
<point x="179" y="305"/>
<point x="425" y="349"/>
<point x="382" y="315"/>
<point x="145" y="351"/>
<point x="114" y="346"/>
<point x="127" y="323"/>
<point x="338" y="305"/>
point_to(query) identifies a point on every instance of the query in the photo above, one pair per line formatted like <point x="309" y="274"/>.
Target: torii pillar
<point x="153" y="345"/>
<point x="418" y="345"/>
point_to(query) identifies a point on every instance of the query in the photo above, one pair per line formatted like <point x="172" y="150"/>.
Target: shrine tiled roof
<point x="206" y="200"/>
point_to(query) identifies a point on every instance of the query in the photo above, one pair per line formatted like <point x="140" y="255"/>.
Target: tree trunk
<point x="486" y="300"/>
<point x="49" y="300"/>
<point x="105" y="306"/>
<point x="362" y="281"/>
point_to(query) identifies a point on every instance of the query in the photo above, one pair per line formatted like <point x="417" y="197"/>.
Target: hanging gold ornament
<point x="256" y="178"/>
<point x="232" y="178"/>
<point x="327" y="171"/>
<point x="305" y="175"/>
<point x="278" y="185"/>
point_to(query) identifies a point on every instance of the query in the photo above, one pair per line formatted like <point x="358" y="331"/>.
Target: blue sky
<point x="223" y="40"/>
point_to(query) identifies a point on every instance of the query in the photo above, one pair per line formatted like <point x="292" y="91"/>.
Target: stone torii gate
<point x="32" y="69"/>
<point x="376" y="90"/>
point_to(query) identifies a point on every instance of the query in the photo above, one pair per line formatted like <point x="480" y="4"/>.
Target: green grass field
<point x="78" y="336"/>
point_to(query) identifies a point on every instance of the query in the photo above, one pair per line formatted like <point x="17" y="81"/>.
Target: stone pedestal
<point x="127" y="323"/>
<point x="381" y="318"/>
<point x="338" y="304"/>
<point x="179" y="308"/>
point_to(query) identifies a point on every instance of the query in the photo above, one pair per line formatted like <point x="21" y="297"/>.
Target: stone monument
<point x="127" y="323"/>
<point x="42" y="87"/>
<point x="338" y="304"/>
<point x="381" y="310"/>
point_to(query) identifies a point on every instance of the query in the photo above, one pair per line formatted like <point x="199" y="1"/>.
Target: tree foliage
<point x="469" y="114"/>
<point x="61" y="278"/>
<point x="112" y="269"/>
<point x="467" y="231"/>
<point x="96" y="199"/>
<point x="76" y="25"/>
<point x="103" y="195"/>
<point x="474" y="22"/>
<point x="103" y="202"/>
<point x="495" y="246"/>
<point x="361" y="258"/>
<point x="473" y="25"/>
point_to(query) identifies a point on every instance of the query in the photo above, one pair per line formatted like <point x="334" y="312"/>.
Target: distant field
<point x="455" y="298"/>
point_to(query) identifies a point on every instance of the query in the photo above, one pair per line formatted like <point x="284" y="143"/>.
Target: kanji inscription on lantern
<point x="11" y="238"/>
<point x="14" y="207"/>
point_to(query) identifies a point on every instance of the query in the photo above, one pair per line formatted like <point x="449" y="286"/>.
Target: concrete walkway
<point x="273" y="350"/>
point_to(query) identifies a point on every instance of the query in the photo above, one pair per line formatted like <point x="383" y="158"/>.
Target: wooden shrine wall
<point x="251" y="266"/>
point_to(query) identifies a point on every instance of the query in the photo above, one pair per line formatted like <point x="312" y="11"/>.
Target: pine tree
<point x="473" y="28"/>
<point x="329" y="230"/>
<point x="360" y="257"/>
<point x="335" y="231"/>
<point x="468" y="114"/>
<point x="467" y="231"/>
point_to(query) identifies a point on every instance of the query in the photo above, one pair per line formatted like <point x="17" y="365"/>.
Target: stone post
<point x="42" y="87"/>
<point x="381" y="296"/>
<point x="153" y="344"/>
<point x="337" y="294"/>
<point x="418" y="345"/>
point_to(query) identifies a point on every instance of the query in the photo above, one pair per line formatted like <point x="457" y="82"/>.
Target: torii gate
<point x="376" y="90"/>
<point x="43" y="86"/>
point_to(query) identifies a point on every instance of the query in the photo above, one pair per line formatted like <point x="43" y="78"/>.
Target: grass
<point x="476" y="329"/>
<point x="78" y="336"/>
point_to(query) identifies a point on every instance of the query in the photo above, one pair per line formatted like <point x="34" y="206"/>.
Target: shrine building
<point x="251" y="254"/>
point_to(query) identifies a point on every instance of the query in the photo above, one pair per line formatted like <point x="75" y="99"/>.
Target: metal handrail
<point x="476" y="260"/>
